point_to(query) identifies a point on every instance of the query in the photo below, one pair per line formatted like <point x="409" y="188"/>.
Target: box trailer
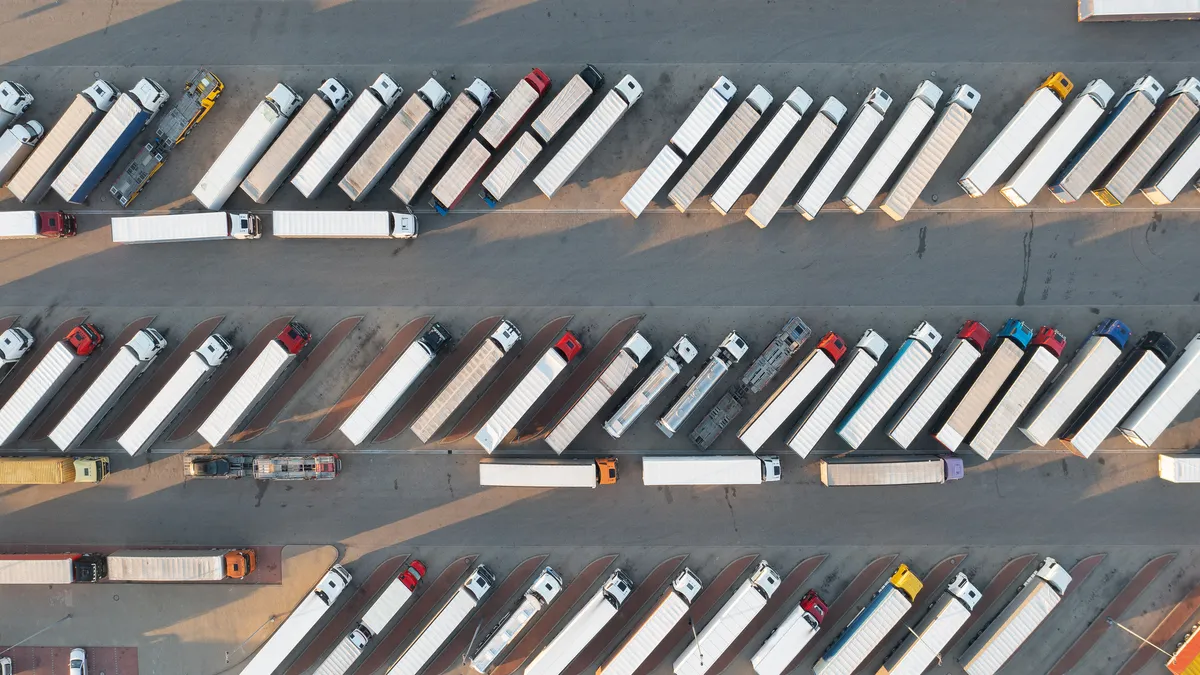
<point x="15" y="343"/>
<point x="729" y="352"/>
<point x="767" y="143"/>
<point x="1130" y="113"/>
<point x="1179" y="468"/>
<point x="734" y="616"/>
<point x="837" y="394"/>
<point x="469" y="105"/>
<point x="166" y="228"/>
<point x="374" y="622"/>
<point x="871" y="625"/>
<point x="853" y="470"/>
<point x="254" y="384"/>
<point x="296" y="467"/>
<point x="296" y="627"/>
<point x="343" y="225"/>
<point x="1140" y="10"/>
<point x="894" y="147"/>
<point x="1176" y="171"/>
<point x="36" y="225"/>
<point x="587" y="473"/>
<point x="131" y="360"/>
<point x="680" y="354"/>
<point x="794" y="391"/>
<point x="544" y="590"/>
<point x="52" y="470"/>
<point x="466" y="380"/>
<point x="925" y="643"/>
<point x="51" y="568"/>
<point x="710" y="470"/>
<point x="583" y="627"/>
<point x="958" y="419"/>
<point x="246" y="147"/>
<point x="628" y="658"/>
<point x="1005" y="634"/>
<point x="531" y="387"/>
<point x="307" y="125"/>
<point x="590" y="133"/>
<point x="1026" y="381"/>
<point x="1020" y="131"/>
<point x="785" y="641"/>
<point x="929" y="156"/>
<point x="945" y="376"/>
<point x="631" y="355"/>
<point x="16" y="144"/>
<point x="797" y="162"/>
<point x="908" y="362"/>
<point x="181" y="566"/>
<point x="868" y="118"/>
<point x="176" y="394"/>
<point x="445" y="623"/>
<point x="46" y="378"/>
<point x="1166" y="399"/>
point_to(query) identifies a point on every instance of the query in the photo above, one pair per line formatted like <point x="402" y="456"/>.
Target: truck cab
<point x="102" y="95"/>
<point x="217" y="466"/>
<point x="294" y="338"/>
<point x="84" y="339"/>
<point x="245" y="226"/>
<point x="1051" y="339"/>
<point x="735" y="345"/>
<point x="147" y="343"/>
<point x="411" y="576"/>
<point x="569" y="346"/>
<point x="150" y="95"/>
<point x="617" y="588"/>
<point x="435" y="338"/>
<point x="55" y="224"/>
<point x="285" y="99"/>
<point x="386" y="89"/>
<point x="906" y="581"/>
<point x="772" y="470"/>
<point x="14" y="99"/>
<point x="334" y="93"/>
<point x="404" y="225"/>
<point x="89" y="568"/>
<point x="814" y="605"/>
<point x="434" y="94"/>
<point x="240" y="563"/>
<point x="482" y="92"/>
<point x="833" y="345"/>
<point x="14" y="343"/>
<point x="606" y="469"/>
<point x="1054" y="574"/>
<point x="90" y="469"/>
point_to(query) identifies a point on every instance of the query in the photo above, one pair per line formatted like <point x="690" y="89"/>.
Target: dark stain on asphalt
<point x="1027" y="243"/>
<point x="921" y="242"/>
<point x="260" y="489"/>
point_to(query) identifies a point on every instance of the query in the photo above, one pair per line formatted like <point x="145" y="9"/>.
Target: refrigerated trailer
<point x="1167" y="399"/>
<point x="1005" y="633"/>
<point x="583" y="627"/>
<point x="680" y="354"/>
<point x="52" y="568"/>
<point x="544" y="590"/>
<point x="767" y="143"/>
<point x="711" y="470"/>
<point x="469" y="105"/>
<point x="908" y="362"/>
<point x="531" y="387"/>
<point x="180" y="565"/>
<point x="1140" y="10"/>
<point x="343" y="225"/>
<point x="797" y="163"/>
<point x="784" y="643"/>
<point x="950" y="369"/>
<point x="734" y="616"/>
<point x="580" y="145"/>
<point x="36" y="225"/>
<point x="374" y="622"/>
<point x="894" y="147"/>
<point x="46" y="378"/>
<point x="296" y="627"/>
<point x="792" y="392"/>
<point x="16" y="144"/>
<point x="587" y="473"/>
<point x="925" y="643"/>
<point x="628" y="658"/>
<point x="866" y="470"/>
<point x="445" y="623"/>
<point x="822" y="414"/>
<point x="868" y="118"/>
<point x="173" y="227"/>
<point x="729" y="352"/>
<point x="1026" y="381"/>
<point x="872" y="624"/>
<point x="631" y="355"/>
<point x="1179" y="468"/>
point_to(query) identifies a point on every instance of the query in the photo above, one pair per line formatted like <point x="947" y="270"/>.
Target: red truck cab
<point x="412" y="575"/>
<point x="568" y="345"/>
<point x="294" y="338"/>
<point x="813" y="604"/>
<point x="833" y="345"/>
<point x="539" y="80"/>
<point x="84" y="339"/>
<point x="55" y="224"/>
<point x="1051" y="339"/>
<point x="975" y="333"/>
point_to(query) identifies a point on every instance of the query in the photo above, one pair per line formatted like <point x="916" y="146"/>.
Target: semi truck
<point x="14" y="101"/>
<point x="16" y="144"/>
<point x="721" y="148"/>
<point x="872" y="624"/>
<point x="958" y="419"/>
<point x="829" y="405"/>
<point x="51" y="568"/>
<point x="1026" y="381"/>
<point x="908" y="362"/>
<point x="374" y="621"/>
<point x="174" y="227"/>
<point x="853" y="470"/>
<point x="1108" y="406"/>
<point x="945" y="376"/>
<point x="36" y="225"/>
<point x="254" y="384"/>
<point x="445" y="623"/>
<point x="181" y="566"/>
<point x="1005" y="634"/>
<point x="679" y="146"/>
<point x="268" y="659"/>
<point x="15" y="343"/>
<point x="33" y="179"/>
<point x="587" y="473"/>
<point x="466" y="380"/>
<point x="531" y="387"/>
<point x="797" y="162"/>
<point x="734" y="616"/>
<point x="1166" y="399"/>
<point x="46" y="378"/>
<point x="306" y="126"/>
<point x="711" y="470"/>
<point x="343" y="225"/>
<point x="1176" y="468"/>
<point x="925" y="643"/>
<point x="862" y="127"/>
<point x="1058" y="144"/>
<point x="264" y="467"/>
<point x="1130" y="113"/>
<point x="350" y="130"/>
<point x="767" y="143"/>
<point x="786" y="640"/>
<point x="680" y="354"/>
<point x="558" y="112"/>
<point x="794" y="391"/>
<point x="894" y="147"/>
<point x="544" y="590"/>
<point x="394" y="384"/>
<point x="1020" y="131"/>
<point x="729" y="352"/>
<point x="675" y="603"/>
<point x="128" y="364"/>
<point x="246" y="147"/>
<point x="929" y="156"/>
<point x="583" y="627"/>
<point x="631" y="355"/>
<point x="132" y="111"/>
<point x="400" y="131"/>
<point x="590" y="133"/>
<point x="176" y="394"/>
<point x="1073" y="384"/>
<point x="52" y="470"/>
<point x="469" y="105"/>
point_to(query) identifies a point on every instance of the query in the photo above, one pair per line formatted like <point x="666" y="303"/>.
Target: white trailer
<point x="175" y="395"/>
<point x="874" y="470"/>
<point x="584" y="473"/>
<point x="177" y="565"/>
<point x="36" y="225"/>
<point x="49" y="569"/>
<point x="932" y="152"/>
<point x="583" y="627"/>
<point x="729" y="352"/>
<point x="1166" y="400"/>
<point x="1138" y="10"/>
<point x="469" y="105"/>
<point x="16" y="144"/>
<point x="445" y="623"/>
<point x="767" y="143"/>
<point x="734" y="616"/>
<point x="661" y="620"/>
<point x="680" y="354"/>
<point x="374" y="622"/>
<point x="544" y="590"/>
<point x="1005" y="634"/>
<point x="956" y="361"/>
<point x="868" y="118"/>
<point x="1020" y="131"/>
<point x="1130" y="113"/>
<point x="465" y="381"/>
<point x="793" y="634"/>
<point x="394" y="384"/>
<point x="958" y="420"/>
<point x="580" y="145"/>
<point x="131" y="360"/>
<point x="837" y="394"/>
<point x="1179" y="468"/>
<point x="711" y="470"/>
<point x="531" y="387"/>
<point x="15" y="343"/>
<point x="42" y="383"/>
<point x="910" y="359"/>
<point x="272" y="655"/>
<point x="925" y="643"/>
<point x="894" y="147"/>
<point x="871" y="625"/>
<point x="397" y="135"/>
<point x="797" y="163"/>
<point x="628" y="358"/>
<point x="343" y="225"/>
<point x="1024" y="384"/>
<point x="174" y="227"/>
<point x="795" y="390"/>
<point x="1175" y="172"/>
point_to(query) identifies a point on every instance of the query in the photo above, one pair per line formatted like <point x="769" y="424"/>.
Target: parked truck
<point x="953" y="365"/>
<point x="445" y="623"/>
<point x="128" y="364"/>
<point x="797" y="162"/>
<point x="36" y="225"/>
<point x="466" y="380"/>
<point x="132" y="111"/>
<point x="1026" y="381"/>
<point x="767" y="143"/>
<point x="531" y="387"/>
<point x="404" y="127"/>
<point x="469" y="105"/>
<point x="52" y="470"/>
<point x="544" y="590"/>
<point x="300" y="134"/>
<point x="374" y="621"/>
<point x="894" y="147"/>
<point x="1176" y="468"/>
<point x="1176" y="171"/>
<point x="837" y="394"/>
<point x="46" y="378"/>
<point x="176" y="394"/>
<point x="729" y="352"/>
<point x="51" y="568"/>
<point x="871" y="625"/>
<point x="631" y="355"/>
<point x="794" y="391"/>
<point x="174" y="227"/>
<point x="14" y="101"/>
<point x="1020" y="131"/>
<point x="862" y="127"/>
<point x="16" y="144"/>
<point x="343" y="225"/>
<point x="246" y="147"/>
<point x="181" y="566"/>
<point x="1174" y="391"/>
<point x="675" y="603"/>
<point x="734" y="616"/>
<point x="254" y="384"/>
<point x="908" y="362"/>
<point x="786" y="640"/>
<point x="263" y="467"/>
<point x="958" y="419"/>
<point x="586" y="473"/>
<point x="925" y="643"/>
<point x="680" y="354"/>
<point x="1004" y="634"/>
<point x="711" y="470"/>
<point x="580" y="145"/>
<point x="296" y="627"/>
<point x="15" y="343"/>
<point x="856" y="470"/>
<point x="583" y="627"/>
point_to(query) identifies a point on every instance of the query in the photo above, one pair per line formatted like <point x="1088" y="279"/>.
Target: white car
<point x="6" y="667"/>
<point x="78" y="662"/>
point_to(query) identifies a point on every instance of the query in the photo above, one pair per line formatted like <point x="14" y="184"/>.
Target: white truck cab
<point x="387" y="89"/>
<point x="481" y="91"/>
<point x="735" y="345"/>
<point x="14" y="343"/>
<point x="404" y="225"/>
<point x="14" y="101"/>
<point x="435" y="94"/>
<point x="244" y="226"/>
<point x="285" y="98"/>
<point x="771" y="468"/>
<point x="335" y="93"/>
<point x="150" y="94"/>
<point x="147" y="343"/>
